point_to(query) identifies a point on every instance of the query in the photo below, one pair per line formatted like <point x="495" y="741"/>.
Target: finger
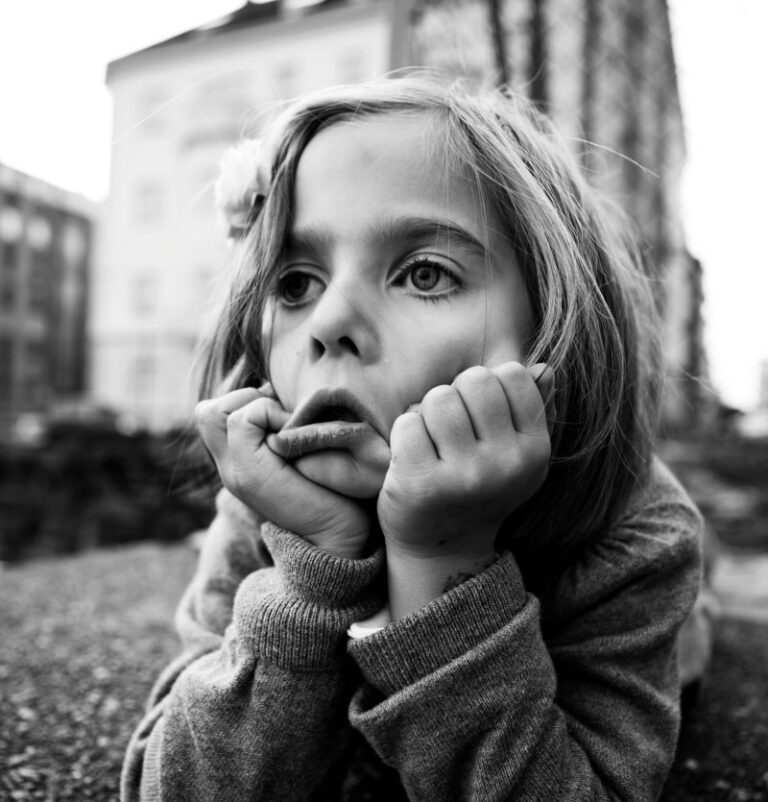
<point x="410" y="443"/>
<point x="341" y="472"/>
<point x="257" y="418"/>
<point x="525" y="402"/>
<point x="447" y="422"/>
<point x="486" y="403"/>
<point x="267" y="390"/>
<point x="246" y="453"/>
<point x="211" y="417"/>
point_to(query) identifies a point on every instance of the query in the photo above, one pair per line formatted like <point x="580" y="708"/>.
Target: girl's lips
<point x="330" y="404"/>
<point x="330" y="418"/>
<point x="292" y="443"/>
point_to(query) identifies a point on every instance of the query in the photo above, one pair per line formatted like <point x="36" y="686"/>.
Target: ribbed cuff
<point x="316" y="575"/>
<point x="297" y="614"/>
<point x="420" y="643"/>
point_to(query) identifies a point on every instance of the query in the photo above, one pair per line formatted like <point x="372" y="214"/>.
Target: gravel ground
<point x="723" y="748"/>
<point x="84" y="637"/>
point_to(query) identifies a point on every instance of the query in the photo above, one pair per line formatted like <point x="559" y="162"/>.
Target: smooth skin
<point x="397" y="285"/>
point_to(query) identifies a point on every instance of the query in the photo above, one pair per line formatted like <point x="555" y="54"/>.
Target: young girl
<point x="445" y="564"/>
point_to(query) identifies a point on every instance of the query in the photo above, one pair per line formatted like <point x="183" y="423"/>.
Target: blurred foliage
<point x="738" y="460"/>
<point x="88" y="484"/>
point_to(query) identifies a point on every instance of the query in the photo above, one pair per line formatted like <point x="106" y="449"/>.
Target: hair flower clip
<point x="242" y="186"/>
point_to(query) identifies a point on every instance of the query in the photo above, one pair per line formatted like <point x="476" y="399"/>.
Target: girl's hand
<point x="234" y="428"/>
<point x="473" y="453"/>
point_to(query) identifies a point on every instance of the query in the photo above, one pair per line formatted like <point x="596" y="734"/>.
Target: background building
<point x="603" y="69"/>
<point x="45" y="250"/>
<point x="177" y="106"/>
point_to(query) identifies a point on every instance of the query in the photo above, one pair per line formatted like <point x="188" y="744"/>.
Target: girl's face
<point x="395" y="278"/>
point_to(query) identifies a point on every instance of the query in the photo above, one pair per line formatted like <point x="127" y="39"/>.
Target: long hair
<point x="592" y="306"/>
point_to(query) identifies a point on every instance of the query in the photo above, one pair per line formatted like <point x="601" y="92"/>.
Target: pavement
<point x="740" y="581"/>
<point x="76" y="668"/>
<point x="723" y="748"/>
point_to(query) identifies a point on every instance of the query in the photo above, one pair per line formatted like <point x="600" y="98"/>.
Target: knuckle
<point x="206" y="413"/>
<point x="512" y="371"/>
<point x="402" y="424"/>
<point x="201" y="409"/>
<point x="441" y="391"/>
<point x="477" y="374"/>
<point x="438" y="396"/>
<point x="233" y="420"/>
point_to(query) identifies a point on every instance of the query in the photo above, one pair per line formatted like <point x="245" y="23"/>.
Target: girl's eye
<point x="426" y="276"/>
<point x="297" y="288"/>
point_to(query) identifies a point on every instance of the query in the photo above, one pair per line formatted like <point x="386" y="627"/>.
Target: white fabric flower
<point x="241" y="186"/>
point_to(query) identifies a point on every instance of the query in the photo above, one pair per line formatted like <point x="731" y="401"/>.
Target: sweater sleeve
<point x="275" y="681"/>
<point x="489" y="694"/>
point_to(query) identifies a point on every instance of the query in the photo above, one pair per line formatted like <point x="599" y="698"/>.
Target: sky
<point x="55" y="123"/>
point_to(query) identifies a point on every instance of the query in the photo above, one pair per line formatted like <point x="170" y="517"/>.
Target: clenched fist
<point x="472" y="453"/>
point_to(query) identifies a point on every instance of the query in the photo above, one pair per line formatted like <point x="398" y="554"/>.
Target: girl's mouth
<point x="328" y="419"/>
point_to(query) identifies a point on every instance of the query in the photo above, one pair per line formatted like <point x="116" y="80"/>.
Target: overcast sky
<point x="55" y="123"/>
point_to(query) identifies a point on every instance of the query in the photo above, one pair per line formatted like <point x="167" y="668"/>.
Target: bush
<point x="89" y="485"/>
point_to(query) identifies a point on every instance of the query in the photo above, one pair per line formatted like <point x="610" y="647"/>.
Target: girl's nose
<point x="343" y="324"/>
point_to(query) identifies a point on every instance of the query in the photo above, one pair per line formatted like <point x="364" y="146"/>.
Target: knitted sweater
<point x="487" y="693"/>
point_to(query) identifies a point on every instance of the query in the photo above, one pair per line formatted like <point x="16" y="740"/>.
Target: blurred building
<point x="603" y="69"/>
<point x="177" y="106"/>
<point x="45" y="251"/>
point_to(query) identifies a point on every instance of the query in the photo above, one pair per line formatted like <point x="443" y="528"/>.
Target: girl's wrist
<point x="349" y="548"/>
<point x="415" y="579"/>
<point x="348" y="537"/>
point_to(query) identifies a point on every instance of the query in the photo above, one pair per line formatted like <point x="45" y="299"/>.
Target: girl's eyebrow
<point x="411" y="229"/>
<point x="420" y="229"/>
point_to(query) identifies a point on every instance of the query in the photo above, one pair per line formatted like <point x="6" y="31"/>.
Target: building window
<point x="11" y="230"/>
<point x="286" y="80"/>
<point x="143" y="377"/>
<point x="40" y="281"/>
<point x="6" y="368"/>
<point x="144" y="294"/>
<point x="148" y="202"/>
<point x="150" y="110"/>
<point x="7" y="292"/>
<point x="36" y="369"/>
<point x="39" y="233"/>
<point x="9" y="256"/>
<point x="11" y="224"/>
<point x="73" y="243"/>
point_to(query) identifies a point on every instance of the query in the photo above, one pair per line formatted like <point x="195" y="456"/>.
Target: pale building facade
<point x="45" y="252"/>
<point x="177" y="107"/>
<point x="603" y="69"/>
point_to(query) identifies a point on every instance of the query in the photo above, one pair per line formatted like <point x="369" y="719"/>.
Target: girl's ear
<point x="544" y="377"/>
